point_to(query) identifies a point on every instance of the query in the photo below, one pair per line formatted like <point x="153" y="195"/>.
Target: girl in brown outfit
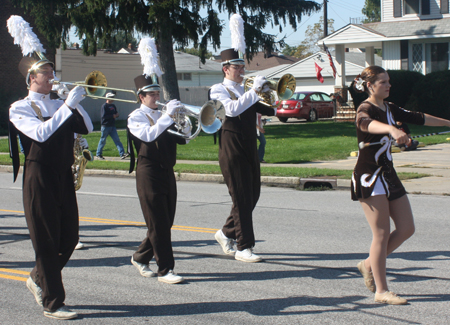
<point x="375" y="183"/>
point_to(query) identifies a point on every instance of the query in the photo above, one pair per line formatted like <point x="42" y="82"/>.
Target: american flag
<point x="331" y="60"/>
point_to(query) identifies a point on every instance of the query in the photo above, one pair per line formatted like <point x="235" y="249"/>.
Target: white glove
<point x="265" y="89"/>
<point x="75" y="96"/>
<point x="84" y="143"/>
<point x="172" y="106"/>
<point x="61" y="90"/>
<point x="258" y="83"/>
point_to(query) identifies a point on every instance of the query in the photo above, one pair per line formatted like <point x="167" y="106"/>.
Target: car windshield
<point x="301" y="96"/>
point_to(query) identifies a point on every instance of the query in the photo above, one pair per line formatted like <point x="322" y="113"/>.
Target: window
<point x="417" y="59"/>
<point x="184" y="76"/>
<point x="301" y="96"/>
<point x="430" y="57"/>
<point x="437" y="58"/>
<point x="326" y="98"/>
<point x="411" y="7"/>
<point x="315" y="98"/>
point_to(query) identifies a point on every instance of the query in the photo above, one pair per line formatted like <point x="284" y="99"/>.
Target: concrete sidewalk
<point x="432" y="160"/>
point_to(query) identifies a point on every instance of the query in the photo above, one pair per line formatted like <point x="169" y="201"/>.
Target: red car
<point x="309" y="105"/>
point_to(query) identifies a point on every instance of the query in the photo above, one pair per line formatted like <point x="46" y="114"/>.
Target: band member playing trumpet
<point x="46" y="129"/>
<point x="238" y="155"/>
<point x="155" y="180"/>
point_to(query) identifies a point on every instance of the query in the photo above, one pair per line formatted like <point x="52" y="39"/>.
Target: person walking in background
<point x="375" y="183"/>
<point x="109" y="114"/>
<point x="260" y="135"/>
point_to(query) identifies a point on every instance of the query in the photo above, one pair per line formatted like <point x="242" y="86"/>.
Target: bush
<point x="402" y="82"/>
<point x="6" y="99"/>
<point x="432" y="95"/>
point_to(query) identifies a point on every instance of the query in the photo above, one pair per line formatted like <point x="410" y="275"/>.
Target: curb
<point x="290" y="182"/>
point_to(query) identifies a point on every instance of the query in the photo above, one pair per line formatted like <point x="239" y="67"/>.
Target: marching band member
<point x="238" y="155"/>
<point x="46" y="129"/>
<point x="155" y="180"/>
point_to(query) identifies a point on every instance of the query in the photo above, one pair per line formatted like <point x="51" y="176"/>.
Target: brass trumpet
<point x="284" y="89"/>
<point x="96" y="87"/>
<point x="209" y="118"/>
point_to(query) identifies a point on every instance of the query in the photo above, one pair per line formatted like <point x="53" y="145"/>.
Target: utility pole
<point x="325" y="19"/>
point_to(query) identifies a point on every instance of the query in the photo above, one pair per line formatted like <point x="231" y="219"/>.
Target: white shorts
<point x="379" y="188"/>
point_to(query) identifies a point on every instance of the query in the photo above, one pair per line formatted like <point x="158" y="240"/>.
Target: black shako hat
<point x="146" y="84"/>
<point x="231" y="56"/>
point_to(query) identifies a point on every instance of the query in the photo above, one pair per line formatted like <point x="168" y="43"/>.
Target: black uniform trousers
<point x="157" y="191"/>
<point x="238" y="160"/>
<point x="51" y="212"/>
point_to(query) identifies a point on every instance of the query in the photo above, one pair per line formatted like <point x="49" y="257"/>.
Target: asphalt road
<point x="310" y="241"/>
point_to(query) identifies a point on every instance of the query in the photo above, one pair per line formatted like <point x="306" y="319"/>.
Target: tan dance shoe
<point x="368" y="276"/>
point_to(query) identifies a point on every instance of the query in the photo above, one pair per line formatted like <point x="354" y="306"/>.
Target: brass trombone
<point x="284" y="88"/>
<point x="96" y="87"/>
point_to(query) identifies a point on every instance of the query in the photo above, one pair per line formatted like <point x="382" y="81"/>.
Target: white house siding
<point x="206" y="79"/>
<point x="391" y="55"/>
<point x="352" y="34"/>
<point x="387" y="12"/>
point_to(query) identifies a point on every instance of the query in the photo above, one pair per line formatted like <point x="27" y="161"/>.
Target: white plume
<point x="237" y="33"/>
<point x="149" y="57"/>
<point x="23" y="35"/>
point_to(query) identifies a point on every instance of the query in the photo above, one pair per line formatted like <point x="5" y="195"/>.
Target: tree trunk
<point x="169" y="83"/>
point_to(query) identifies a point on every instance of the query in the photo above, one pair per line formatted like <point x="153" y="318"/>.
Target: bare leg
<point x="376" y="209"/>
<point x="403" y="219"/>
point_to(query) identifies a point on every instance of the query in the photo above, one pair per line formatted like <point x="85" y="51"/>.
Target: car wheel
<point x="283" y="119"/>
<point x="312" y="117"/>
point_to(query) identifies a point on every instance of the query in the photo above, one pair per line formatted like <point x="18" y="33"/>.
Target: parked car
<point x="309" y="105"/>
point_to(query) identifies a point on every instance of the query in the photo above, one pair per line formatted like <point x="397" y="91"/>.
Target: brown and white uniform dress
<point x="46" y="129"/>
<point x="238" y="157"/>
<point x="374" y="172"/>
<point x="155" y="182"/>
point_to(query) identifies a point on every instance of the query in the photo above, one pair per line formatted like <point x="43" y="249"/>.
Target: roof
<point x="260" y="62"/>
<point x="185" y="62"/>
<point x="367" y="34"/>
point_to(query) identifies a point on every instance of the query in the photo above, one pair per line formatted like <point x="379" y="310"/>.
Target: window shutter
<point x="444" y="6"/>
<point x="397" y="8"/>
<point x="404" y="54"/>
<point x="425" y="7"/>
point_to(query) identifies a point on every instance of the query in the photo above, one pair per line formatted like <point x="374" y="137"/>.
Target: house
<point x="413" y="35"/>
<point x="265" y="60"/>
<point x="305" y="73"/>
<point x="194" y="78"/>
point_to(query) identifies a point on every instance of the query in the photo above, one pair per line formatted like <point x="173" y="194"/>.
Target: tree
<point x="120" y="40"/>
<point x="300" y="51"/>
<point x="372" y="11"/>
<point x="314" y="34"/>
<point x="169" y="21"/>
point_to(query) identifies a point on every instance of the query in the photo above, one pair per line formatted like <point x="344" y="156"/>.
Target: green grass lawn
<point x="286" y="143"/>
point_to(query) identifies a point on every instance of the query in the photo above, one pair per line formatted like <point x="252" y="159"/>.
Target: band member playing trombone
<point x="238" y="155"/>
<point x="155" y="180"/>
<point x="46" y="129"/>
